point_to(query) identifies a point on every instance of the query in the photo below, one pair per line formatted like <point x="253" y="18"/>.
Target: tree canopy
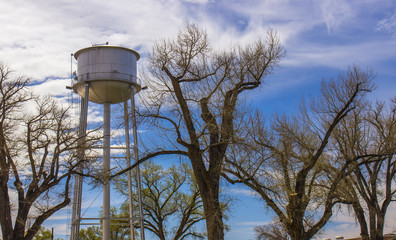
<point x="296" y="164"/>
<point x="38" y="144"/>
<point x="172" y="205"/>
<point x="194" y="99"/>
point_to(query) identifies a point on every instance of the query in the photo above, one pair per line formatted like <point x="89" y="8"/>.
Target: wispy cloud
<point x="335" y="12"/>
<point x="388" y="24"/>
<point x="240" y="191"/>
<point x="252" y="223"/>
<point x="340" y="56"/>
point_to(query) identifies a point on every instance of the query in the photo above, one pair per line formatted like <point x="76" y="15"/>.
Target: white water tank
<point x="110" y="72"/>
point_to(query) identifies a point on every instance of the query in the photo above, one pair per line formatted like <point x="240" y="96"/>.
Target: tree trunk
<point x="5" y="213"/>
<point x="380" y="227"/>
<point x="161" y="231"/>
<point x="373" y="222"/>
<point x="298" y="231"/>
<point x="298" y="234"/>
<point x="213" y="213"/>
<point x="359" y="213"/>
<point x="208" y="184"/>
<point x="21" y="218"/>
<point x="5" y="208"/>
<point x="296" y="209"/>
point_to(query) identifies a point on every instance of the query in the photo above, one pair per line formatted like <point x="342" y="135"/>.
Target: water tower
<point x="106" y="75"/>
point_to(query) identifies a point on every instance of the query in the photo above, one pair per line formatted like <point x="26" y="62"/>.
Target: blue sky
<point x="321" y="37"/>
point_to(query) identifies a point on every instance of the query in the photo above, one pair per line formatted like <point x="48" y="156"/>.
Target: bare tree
<point x="195" y="95"/>
<point x="370" y="132"/>
<point x="293" y="164"/>
<point x="38" y="142"/>
<point x="272" y="231"/>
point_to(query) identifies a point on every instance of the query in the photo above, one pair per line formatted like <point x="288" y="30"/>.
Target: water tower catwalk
<point x="106" y="75"/>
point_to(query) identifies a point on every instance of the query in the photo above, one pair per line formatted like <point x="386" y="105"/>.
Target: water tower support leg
<point x="106" y="171"/>
<point x="136" y="155"/>
<point x="128" y="158"/>
<point x="77" y="194"/>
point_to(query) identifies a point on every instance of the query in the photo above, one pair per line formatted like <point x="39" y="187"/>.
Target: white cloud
<point x="388" y="24"/>
<point x="390" y="222"/>
<point x="335" y="12"/>
<point x="198" y="1"/>
<point x="339" y="56"/>
<point x="53" y="87"/>
<point x="253" y="224"/>
<point x="42" y="34"/>
<point x="241" y="192"/>
<point x="346" y="225"/>
<point x="289" y="18"/>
